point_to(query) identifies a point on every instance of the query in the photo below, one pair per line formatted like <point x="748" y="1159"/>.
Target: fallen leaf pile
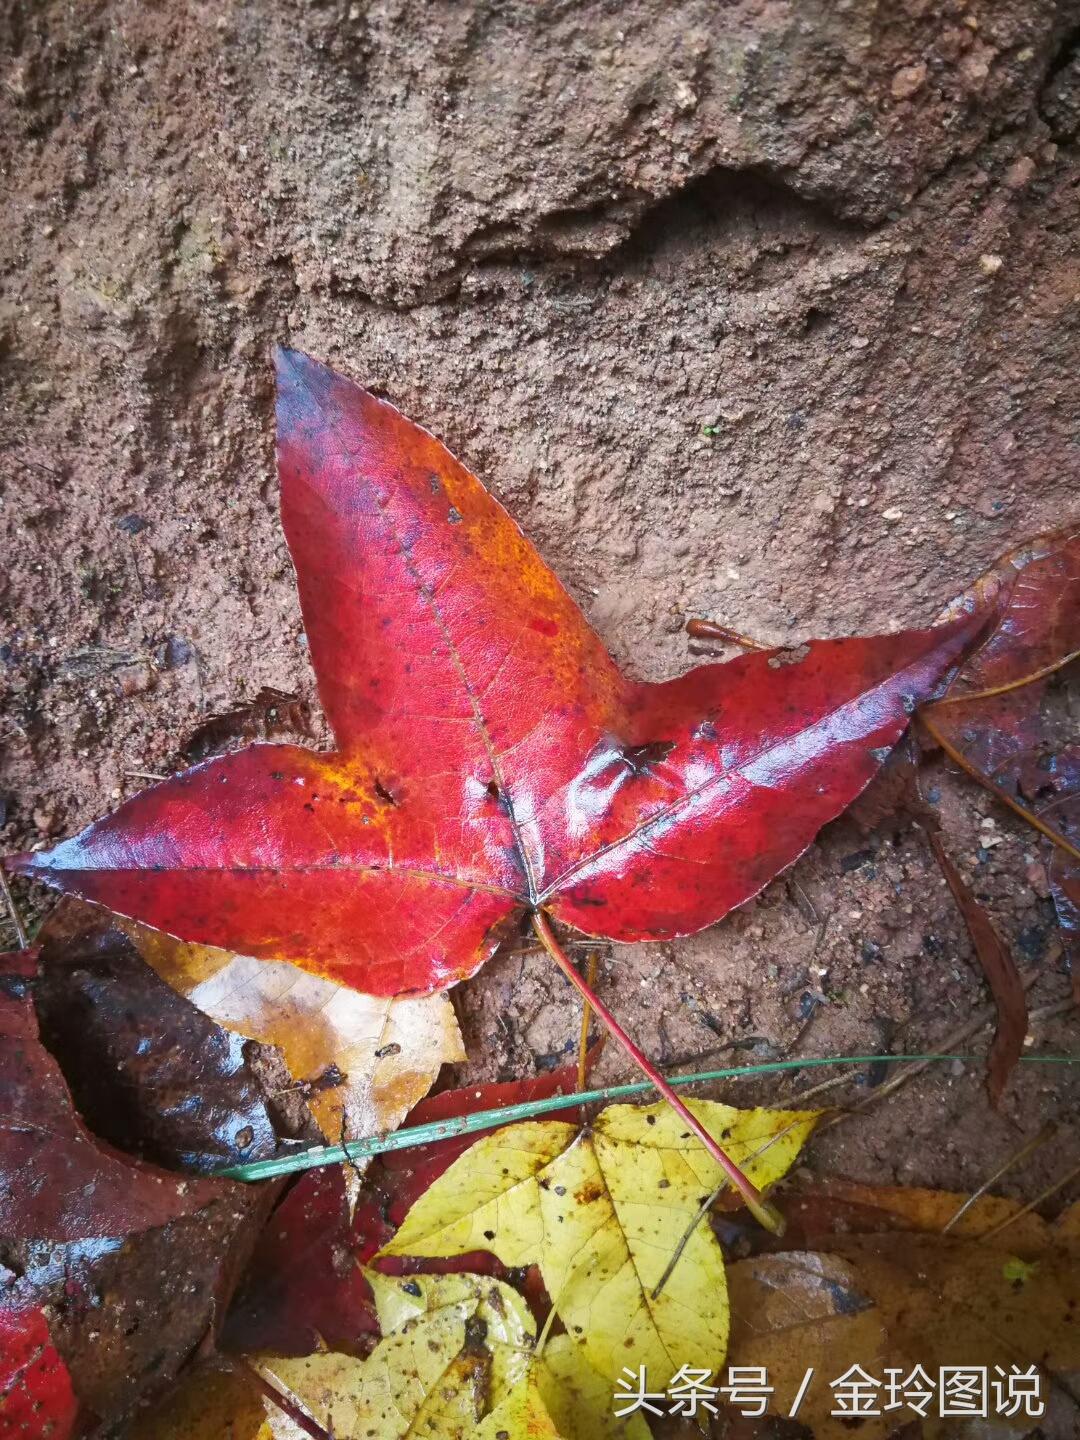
<point x="304" y="1286"/>
<point x="309" y="909"/>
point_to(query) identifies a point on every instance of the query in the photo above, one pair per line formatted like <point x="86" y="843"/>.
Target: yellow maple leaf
<point x="457" y="1360"/>
<point x="604" y="1211"/>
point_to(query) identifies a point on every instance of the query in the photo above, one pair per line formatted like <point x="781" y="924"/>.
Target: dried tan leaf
<point x="387" y="1052"/>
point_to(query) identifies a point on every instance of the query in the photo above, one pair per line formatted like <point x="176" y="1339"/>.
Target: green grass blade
<point x="530" y="1109"/>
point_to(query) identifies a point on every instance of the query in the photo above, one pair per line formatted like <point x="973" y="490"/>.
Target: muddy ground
<point x="764" y="311"/>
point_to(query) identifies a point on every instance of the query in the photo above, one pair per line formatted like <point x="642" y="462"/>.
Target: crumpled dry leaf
<point x="603" y="1211"/>
<point x="365" y="1060"/>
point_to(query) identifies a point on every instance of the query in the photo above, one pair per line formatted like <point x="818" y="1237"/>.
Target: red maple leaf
<point x="491" y="756"/>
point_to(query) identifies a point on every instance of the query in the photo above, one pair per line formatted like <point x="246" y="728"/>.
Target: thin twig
<point x="13" y="911"/>
<point x="1051" y="1012"/>
<point x="1027" y="1209"/>
<point x="1048" y="1131"/>
<point x="988" y="694"/>
<point x="592" y="965"/>
<point x="763" y="1210"/>
<point x="704" y="1208"/>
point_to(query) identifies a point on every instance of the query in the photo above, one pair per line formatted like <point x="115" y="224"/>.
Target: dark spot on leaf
<point x="640" y="758"/>
<point x="383" y="793"/>
<point x="384" y="1050"/>
<point x="846" y="1302"/>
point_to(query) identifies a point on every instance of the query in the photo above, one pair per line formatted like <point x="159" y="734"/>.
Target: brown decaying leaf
<point x="147" y="1069"/>
<point x="865" y="1277"/>
<point x="829" y="1207"/>
<point x="993" y="717"/>
<point x="133" y="1265"/>
<point x="272" y="715"/>
<point x="1001" y="973"/>
<point x="901" y="1300"/>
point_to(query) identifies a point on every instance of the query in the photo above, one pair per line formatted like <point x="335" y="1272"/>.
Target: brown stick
<point x="993" y="690"/>
<point x="591" y="966"/>
<point x="1048" y="1131"/>
<point x="713" y="630"/>
<point x="13" y="911"/>
<point x="1027" y="1209"/>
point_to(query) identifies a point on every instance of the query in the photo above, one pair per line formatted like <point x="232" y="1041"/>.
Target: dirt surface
<point x="766" y="311"/>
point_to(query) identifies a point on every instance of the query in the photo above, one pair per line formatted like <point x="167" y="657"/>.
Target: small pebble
<point x="908" y="81"/>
